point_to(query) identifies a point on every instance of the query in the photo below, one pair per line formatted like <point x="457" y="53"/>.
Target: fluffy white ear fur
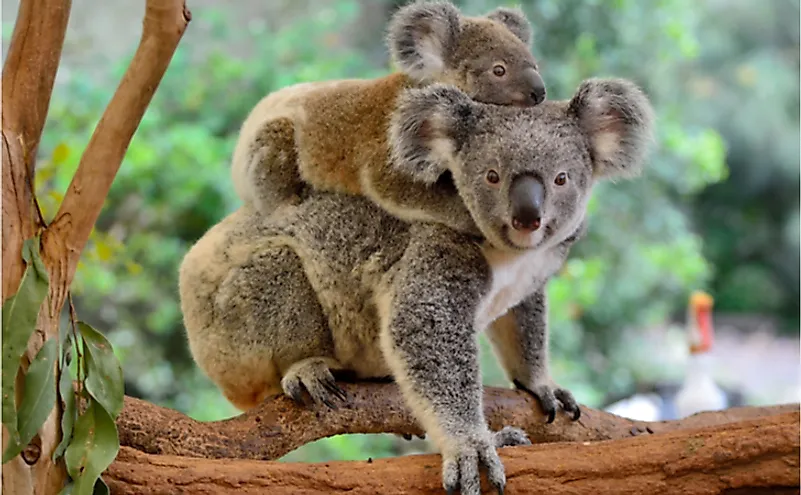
<point x="421" y="36"/>
<point x="618" y="118"/>
<point x="426" y="128"/>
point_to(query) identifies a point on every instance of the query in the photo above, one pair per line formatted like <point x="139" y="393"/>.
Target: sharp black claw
<point x="577" y="414"/>
<point x="330" y="404"/>
<point x="335" y="390"/>
<point x="551" y="416"/>
<point x="407" y="436"/>
<point x="500" y="489"/>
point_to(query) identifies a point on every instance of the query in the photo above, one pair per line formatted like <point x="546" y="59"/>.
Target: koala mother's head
<point x="525" y="174"/>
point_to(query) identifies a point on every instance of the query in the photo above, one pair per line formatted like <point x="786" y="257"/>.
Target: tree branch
<point x="754" y="456"/>
<point x="164" y="25"/>
<point x="28" y="76"/>
<point x="29" y="73"/>
<point x="279" y="426"/>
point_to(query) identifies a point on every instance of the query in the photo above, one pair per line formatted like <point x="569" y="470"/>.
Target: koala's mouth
<point x="532" y="241"/>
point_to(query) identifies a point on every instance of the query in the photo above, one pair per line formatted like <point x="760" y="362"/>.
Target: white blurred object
<point x="699" y="392"/>
<point x="639" y="407"/>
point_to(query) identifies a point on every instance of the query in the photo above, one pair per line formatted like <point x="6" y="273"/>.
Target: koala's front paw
<point x="460" y="463"/>
<point x="550" y="396"/>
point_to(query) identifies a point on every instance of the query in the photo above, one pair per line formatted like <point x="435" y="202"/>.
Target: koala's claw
<point x="551" y="397"/>
<point x="314" y="376"/>
<point x="460" y="469"/>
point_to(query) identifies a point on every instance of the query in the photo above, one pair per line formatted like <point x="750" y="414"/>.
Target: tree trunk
<point x="28" y="77"/>
<point x="752" y="456"/>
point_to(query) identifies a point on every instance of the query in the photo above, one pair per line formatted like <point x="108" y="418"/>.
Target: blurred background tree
<point x="718" y="208"/>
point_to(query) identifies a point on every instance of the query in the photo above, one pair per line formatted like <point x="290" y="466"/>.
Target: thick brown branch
<point x="753" y="456"/>
<point x="279" y="426"/>
<point x="164" y="24"/>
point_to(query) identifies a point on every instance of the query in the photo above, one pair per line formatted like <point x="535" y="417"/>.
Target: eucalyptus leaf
<point x="38" y="398"/>
<point x="103" y="370"/>
<point x="69" y="413"/>
<point x="93" y="448"/>
<point x="19" y="321"/>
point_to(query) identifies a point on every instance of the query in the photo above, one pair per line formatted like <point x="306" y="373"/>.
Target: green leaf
<point x="68" y="489"/>
<point x="103" y="370"/>
<point x="93" y="447"/>
<point x="19" y="320"/>
<point x="70" y="411"/>
<point x="38" y="399"/>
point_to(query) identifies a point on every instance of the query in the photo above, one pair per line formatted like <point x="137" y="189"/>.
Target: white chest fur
<point x="514" y="277"/>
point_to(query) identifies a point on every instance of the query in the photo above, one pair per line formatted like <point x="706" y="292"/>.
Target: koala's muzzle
<point x="536" y="86"/>
<point x="526" y="197"/>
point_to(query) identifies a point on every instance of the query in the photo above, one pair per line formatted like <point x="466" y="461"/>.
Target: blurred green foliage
<point x="637" y="265"/>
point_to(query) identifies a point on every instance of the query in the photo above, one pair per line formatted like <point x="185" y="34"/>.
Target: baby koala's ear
<point x="515" y="20"/>
<point x="422" y="37"/>
<point x="618" y="119"/>
<point x="428" y="128"/>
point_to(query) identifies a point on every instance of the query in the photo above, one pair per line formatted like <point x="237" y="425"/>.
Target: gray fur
<point x="337" y="281"/>
<point x="422" y="37"/>
<point x="515" y="20"/>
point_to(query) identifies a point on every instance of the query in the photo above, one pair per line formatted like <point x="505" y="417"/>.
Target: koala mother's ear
<point x="427" y="128"/>
<point x="515" y="21"/>
<point x="422" y="36"/>
<point x="618" y="120"/>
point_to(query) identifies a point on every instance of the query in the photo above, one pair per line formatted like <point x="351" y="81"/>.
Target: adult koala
<point x="336" y="283"/>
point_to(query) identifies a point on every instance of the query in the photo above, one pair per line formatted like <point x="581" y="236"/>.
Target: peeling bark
<point x="279" y="426"/>
<point x="752" y="456"/>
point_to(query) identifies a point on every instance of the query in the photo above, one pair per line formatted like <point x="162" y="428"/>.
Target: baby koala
<point x="338" y="129"/>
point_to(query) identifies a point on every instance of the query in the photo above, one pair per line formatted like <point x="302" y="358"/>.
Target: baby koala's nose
<point x="526" y="196"/>
<point x="537" y="85"/>
<point x="538" y="95"/>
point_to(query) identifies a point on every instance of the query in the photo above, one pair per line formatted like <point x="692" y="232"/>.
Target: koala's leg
<point x="430" y="343"/>
<point x="271" y="167"/>
<point x="520" y="338"/>
<point x="415" y="201"/>
<point x="281" y="322"/>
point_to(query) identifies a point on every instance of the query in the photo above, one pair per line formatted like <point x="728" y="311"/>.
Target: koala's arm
<point x="415" y="201"/>
<point x="429" y="339"/>
<point x="520" y="338"/>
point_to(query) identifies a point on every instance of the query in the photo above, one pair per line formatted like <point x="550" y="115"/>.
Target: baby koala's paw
<point x="550" y="397"/>
<point x="463" y="458"/>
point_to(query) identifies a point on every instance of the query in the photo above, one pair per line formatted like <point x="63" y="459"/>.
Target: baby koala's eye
<point x="499" y="70"/>
<point x="561" y="179"/>
<point x="493" y="177"/>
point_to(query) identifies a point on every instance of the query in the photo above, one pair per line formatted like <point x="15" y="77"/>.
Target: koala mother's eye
<point x="499" y="70"/>
<point x="493" y="177"/>
<point x="561" y="179"/>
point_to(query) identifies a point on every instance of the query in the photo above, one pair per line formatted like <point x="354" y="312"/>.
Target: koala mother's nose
<point x="536" y="86"/>
<point x="526" y="196"/>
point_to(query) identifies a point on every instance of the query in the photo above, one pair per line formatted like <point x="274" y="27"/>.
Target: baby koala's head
<point x="525" y="174"/>
<point x="487" y="57"/>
